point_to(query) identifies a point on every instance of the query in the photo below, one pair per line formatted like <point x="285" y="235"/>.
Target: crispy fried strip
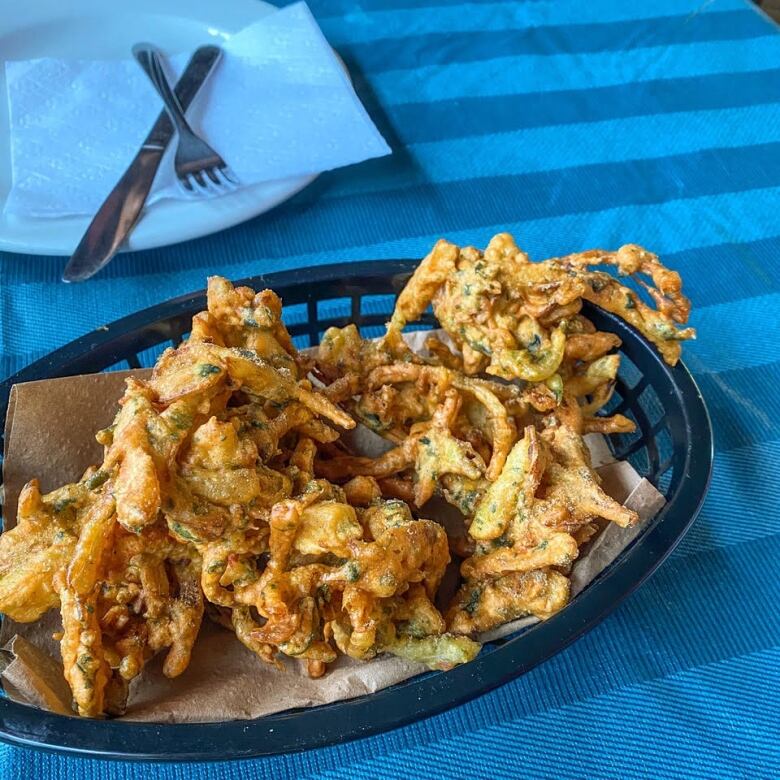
<point x="443" y="354"/>
<point x="555" y="549"/>
<point x="530" y="366"/>
<point x="244" y="625"/>
<point x="519" y="478"/>
<point x="185" y="613"/>
<point x="502" y="429"/>
<point x="137" y="490"/>
<point x="95" y="539"/>
<point x="589" y="346"/>
<point x="260" y="378"/>
<point x="615" y="424"/>
<point x="426" y="279"/>
<point x="84" y="664"/>
<point x="391" y="462"/>
<point x="362" y="491"/>
<point x="342" y="388"/>
<point x="481" y="606"/>
<point x="397" y="487"/>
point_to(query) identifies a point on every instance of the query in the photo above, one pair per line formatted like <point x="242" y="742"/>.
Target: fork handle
<point x="149" y="58"/>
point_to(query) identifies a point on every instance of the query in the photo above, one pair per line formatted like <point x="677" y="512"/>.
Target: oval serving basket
<point x="672" y="447"/>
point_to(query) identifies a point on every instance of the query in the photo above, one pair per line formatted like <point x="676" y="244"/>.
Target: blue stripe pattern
<point x="573" y="125"/>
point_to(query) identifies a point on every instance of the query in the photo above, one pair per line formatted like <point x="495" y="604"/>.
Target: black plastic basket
<point x="672" y="448"/>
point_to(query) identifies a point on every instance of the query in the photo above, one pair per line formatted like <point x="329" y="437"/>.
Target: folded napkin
<point x="278" y="105"/>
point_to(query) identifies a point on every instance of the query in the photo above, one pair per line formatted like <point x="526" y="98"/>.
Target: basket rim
<point x="400" y="704"/>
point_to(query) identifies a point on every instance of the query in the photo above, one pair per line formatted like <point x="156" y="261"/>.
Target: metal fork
<point x="199" y="169"/>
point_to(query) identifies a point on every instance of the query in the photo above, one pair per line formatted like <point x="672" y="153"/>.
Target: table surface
<point x="572" y="125"/>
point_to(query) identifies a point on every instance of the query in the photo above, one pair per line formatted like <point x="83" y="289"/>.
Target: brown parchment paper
<point x="50" y="435"/>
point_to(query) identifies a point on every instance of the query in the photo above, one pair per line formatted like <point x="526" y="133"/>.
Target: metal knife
<point x="121" y="209"/>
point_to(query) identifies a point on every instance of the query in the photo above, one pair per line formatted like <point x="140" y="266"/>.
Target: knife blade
<point x="121" y="209"/>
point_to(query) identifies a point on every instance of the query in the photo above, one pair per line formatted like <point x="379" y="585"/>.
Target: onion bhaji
<point x="227" y="488"/>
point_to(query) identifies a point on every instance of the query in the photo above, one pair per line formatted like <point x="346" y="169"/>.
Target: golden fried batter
<point x="226" y="486"/>
<point x="501" y="310"/>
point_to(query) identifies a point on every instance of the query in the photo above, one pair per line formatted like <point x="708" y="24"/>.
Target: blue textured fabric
<point x="573" y="125"/>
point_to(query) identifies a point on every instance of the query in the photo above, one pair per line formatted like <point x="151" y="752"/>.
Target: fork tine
<point x="187" y="186"/>
<point x="200" y="180"/>
<point x="226" y="182"/>
<point x="210" y="176"/>
<point x="207" y="182"/>
<point x="200" y="187"/>
<point x="219" y="185"/>
<point x="227" y="173"/>
<point x="214" y="184"/>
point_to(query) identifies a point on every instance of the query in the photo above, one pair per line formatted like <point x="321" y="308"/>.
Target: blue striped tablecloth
<point x="572" y="124"/>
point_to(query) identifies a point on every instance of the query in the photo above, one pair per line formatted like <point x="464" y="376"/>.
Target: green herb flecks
<point x="387" y="579"/>
<point x="473" y="601"/>
<point x="206" y="369"/>
<point x="502" y="541"/>
<point x="555" y="383"/>
<point x="183" y="532"/>
<point x="181" y="420"/>
<point x="372" y="421"/>
<point x="97" y="479"/>
<point x="248" y="318"/>
<point x="62" y="503"/>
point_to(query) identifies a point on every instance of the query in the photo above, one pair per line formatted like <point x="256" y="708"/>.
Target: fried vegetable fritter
<point x="227" y="488"/>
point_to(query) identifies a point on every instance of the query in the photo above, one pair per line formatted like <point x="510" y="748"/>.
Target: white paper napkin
<point x="278" y="105"/>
